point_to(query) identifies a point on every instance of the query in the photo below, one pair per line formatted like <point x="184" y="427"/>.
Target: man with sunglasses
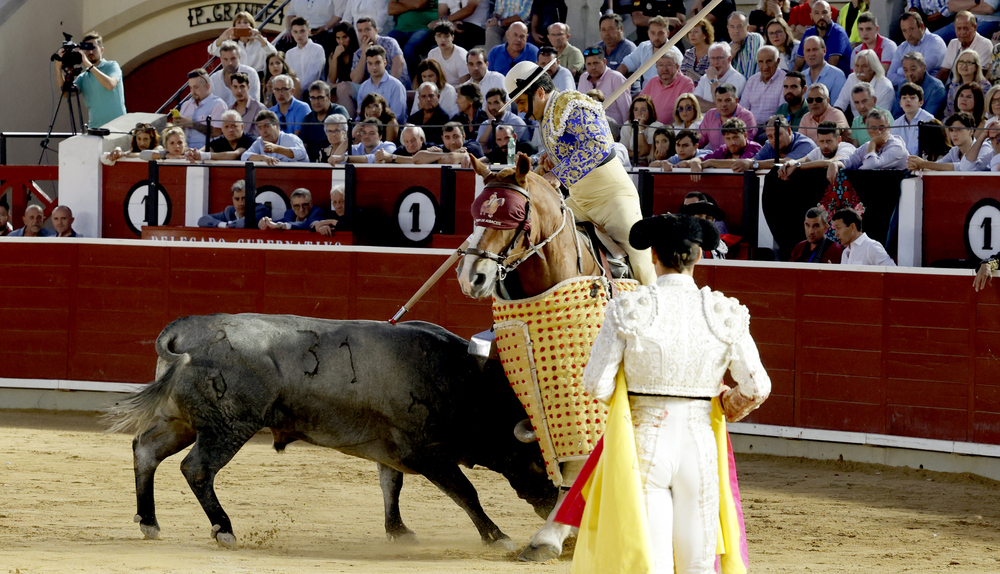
<point x="820" y="110"/>
<point x="579" y="155"/>
<point x="100" y="83"/>
<point x="600" y="77"/>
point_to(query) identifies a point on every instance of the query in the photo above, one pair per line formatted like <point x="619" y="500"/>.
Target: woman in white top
<point x="687" y="112"/>
<point x="451" y="57"/>
<point x="779" y="35"/>
<point x="867" y="68"/>
<point x="643" y="110"/>
<point x="430" y="71"/>
<point x="254" y="47"/>
<point x="676" y="342"/>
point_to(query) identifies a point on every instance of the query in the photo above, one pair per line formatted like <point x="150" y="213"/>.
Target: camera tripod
<point x="69" y="92"/>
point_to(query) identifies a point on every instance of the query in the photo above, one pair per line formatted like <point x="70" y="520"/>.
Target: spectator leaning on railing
<point x="100" y="82"/>
<point x="232" y="216"/>
<point x="831" y="150"/>
<point x="301" y="216"/>
<point x="230" y="145"/>
<point x="34" y="218"/>
<point x="273" y="145"/>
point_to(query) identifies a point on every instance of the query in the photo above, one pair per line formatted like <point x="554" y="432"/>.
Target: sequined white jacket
<point x="679" y="341"/>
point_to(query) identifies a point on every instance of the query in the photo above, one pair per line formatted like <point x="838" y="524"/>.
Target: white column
<point x="909" y="250"/>
<point x="80" y="182"/>
<point x="764" y="236"/>
<point x="196" y="195"/>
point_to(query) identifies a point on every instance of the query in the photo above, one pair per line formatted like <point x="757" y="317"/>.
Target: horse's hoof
<point x="149" y="531"/>
<point x="226" y="540"/>
<point x="543" y="553"/>
<point x="407" y="538"/>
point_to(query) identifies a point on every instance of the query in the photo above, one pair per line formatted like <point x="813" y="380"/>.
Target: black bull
<point x="408" y="397"/>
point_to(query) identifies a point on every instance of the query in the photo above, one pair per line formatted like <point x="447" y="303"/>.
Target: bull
<point x="408" y="397"/>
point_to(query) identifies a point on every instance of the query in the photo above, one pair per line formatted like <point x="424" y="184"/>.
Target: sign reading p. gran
<point x="226" y="11"/>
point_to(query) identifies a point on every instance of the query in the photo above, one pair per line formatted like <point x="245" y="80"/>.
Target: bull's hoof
<point x="501" y="542"/>
<point x="407" y="538"/>
<point x="225" y="539"/>
<point x="542" y="553"/>
<point x="150" y="531"/>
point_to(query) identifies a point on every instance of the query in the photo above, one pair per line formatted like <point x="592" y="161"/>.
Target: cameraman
<point x="100" y="81"/>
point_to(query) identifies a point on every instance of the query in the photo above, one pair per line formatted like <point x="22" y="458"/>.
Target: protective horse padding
<point x="544" y="344"/>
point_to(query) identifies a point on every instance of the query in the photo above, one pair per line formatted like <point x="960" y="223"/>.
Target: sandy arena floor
<point x="67" y="499"/>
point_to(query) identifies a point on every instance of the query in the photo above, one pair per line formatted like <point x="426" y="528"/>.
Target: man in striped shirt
<point x="744" y="44"/>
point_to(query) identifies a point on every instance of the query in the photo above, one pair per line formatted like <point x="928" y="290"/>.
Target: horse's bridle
<point x="503" y="268"/>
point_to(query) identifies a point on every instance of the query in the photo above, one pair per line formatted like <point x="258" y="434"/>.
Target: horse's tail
<point x="139" y="411"/>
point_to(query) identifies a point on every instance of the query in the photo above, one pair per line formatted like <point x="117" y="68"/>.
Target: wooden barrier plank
<point x="841" y="388"/>
<point x="113" y="368"/>
<point x="934" y="394"/>
<point x="841" y="311"/>
<point x="776" y="410"/>
<point x="838" y="284"/>
<point x="941" y="314"/>
<point x="19" y="363"/>
<point x="318" y="307"/>
<point x="850" y="417"/>
<point x="986" y="428"/>
<point x="925" y="422"/>
<point x="929" y="340"/>
<point x="843" y="362"/>
<point x="926" y="367"/>
<point x="821" y="335"/>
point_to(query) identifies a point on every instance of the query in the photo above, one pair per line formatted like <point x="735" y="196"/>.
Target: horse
<point x="544" y="250"/>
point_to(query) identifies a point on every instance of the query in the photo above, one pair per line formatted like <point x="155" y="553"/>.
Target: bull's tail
<point x="138" y="411"/>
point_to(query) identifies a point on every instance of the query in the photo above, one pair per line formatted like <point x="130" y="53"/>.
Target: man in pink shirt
<point x="820" y="110"/>
<point x="668" y="86"/>
<point x="736" y="147"/>
<point x="599" y="77"/>
<point x="726" y="106"/>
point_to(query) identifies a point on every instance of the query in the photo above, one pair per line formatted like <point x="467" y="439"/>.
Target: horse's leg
<point x="547" y="543"/>
<point x="212" y="450"/>
<point x="167" y="437"/>
<point x="391" y="481"/>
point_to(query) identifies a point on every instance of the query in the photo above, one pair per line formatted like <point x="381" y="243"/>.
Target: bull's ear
<point x="481" y="168"/>
<point x="523" y="168"/>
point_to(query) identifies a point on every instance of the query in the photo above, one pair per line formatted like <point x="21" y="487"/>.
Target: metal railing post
<point x="250" y="220"/>
<point x="153" y="196"/>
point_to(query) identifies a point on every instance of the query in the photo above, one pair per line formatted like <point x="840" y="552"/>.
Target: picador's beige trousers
<point x="606" y="196"/>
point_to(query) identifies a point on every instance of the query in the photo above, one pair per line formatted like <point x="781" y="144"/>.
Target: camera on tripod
<point x="71" y="59"/>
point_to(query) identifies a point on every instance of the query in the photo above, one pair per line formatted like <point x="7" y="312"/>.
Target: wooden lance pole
<point x="430" y="282"/>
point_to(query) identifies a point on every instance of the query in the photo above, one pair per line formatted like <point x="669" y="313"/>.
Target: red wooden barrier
<point x="948" y="201"/>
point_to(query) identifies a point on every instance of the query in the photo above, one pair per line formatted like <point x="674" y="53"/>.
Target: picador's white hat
<point x="520" y="76"/>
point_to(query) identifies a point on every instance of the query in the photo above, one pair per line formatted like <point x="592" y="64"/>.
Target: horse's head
<point x="492" y="245"/>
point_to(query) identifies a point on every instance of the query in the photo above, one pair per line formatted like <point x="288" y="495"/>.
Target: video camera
<point x="71" y="58"/>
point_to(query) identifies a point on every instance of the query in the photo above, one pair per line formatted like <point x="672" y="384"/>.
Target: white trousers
<point x="678" y="461"/>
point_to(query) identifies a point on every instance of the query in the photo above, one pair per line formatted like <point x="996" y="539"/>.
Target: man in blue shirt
<point x="371" y="142"/>
<point x="918" y="39"/>
<point x="290" y="110"/>
<point x="915" y="70"/>
<point x="517" y="49"/>
<point x="383" y="84"/>
<point x="34" y="217"/>
<point x="838" y="42"/>
<point x="818" y="70"/>
<point x="274" y="145"/>
<point x="233" y="215"/>
<point x="100" y="83"/>
<point x="300" y="217"/>
<point x="790" y="145"/>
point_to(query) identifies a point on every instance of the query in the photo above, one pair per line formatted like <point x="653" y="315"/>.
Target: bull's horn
<point x="524" y="432"/>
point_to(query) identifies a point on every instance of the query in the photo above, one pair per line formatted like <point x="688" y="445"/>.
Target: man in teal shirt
<point x="100" y="82"/>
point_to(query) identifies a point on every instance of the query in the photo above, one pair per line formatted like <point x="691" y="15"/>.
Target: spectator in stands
<point x="452" y="58"/>
<point x="243" y="104"/>
<point x="100" y="82"/>
<point x="830" y="151"/>
<point x="290" y="110"/>
<point x="643" y="111"/>
<point x="229" y="146"/>
<point x="470" y="109"/>
<point x="274" y="145"/>
<point x="960" y="157"/>
<point x="335" y="128"/>
<point x="884" y="151"/>
<point x="144" y="137"/>
<point x="718" y="16"/>
<point x="175" y="144"/>
<point x="313" y="131"/>
<point x="515" y="50"/>
<point x="221" y="80"/>
<point x="339" y="63"/>
<point x="430" y="116"/>
<point x="992" y="102"/>
<point x="915" y="70"/>
<point x="864" y="101"/>
<point x="201" y="105"/>
<point x="662" y="148"/>
<point x="737" y="146"/>
<point x="371" y="142"/>
<point x="816" y="248"/>
<point x="613" y="43"/>
<point x="456" y="149"/>
<point x="911" y="100"/>
<point x="866" y="69"/>
<point x="934" y="143"/>
<point x="480" y="74"/>
<point x="695" y="63"/>
<point x="789" y="145"/>
<point x="320" y="19"/>
<point x="744" y="44"/>
<point x="644" y="51"/>
<point x="392" y="55"/>
<point x="600" y="77"/>
<point x="719" y="72"/>
<point x="414" y="30"/>
<point x="935" y="13"/>
<point x="984" y="10"/>
<point x="5" y="227"/>
<point x="780" y="36"/>
<point x="570" y="57"/>
<point x="300" y="217"/>
<point x="764" y="91"/>
<point x="495" y="100"/>
<point x="383" y="84"/>
<point x="672" y="11"/>
<point x="687" y="113"/>
<point x="859" y="249"/>
<point x="561" y="77"/>
<point x="918" y="40"/>
<point x="499" y="152"/>
<point x="818" y="70"/>
<point x="685" y="148"/>
<point x="726" y="107"/>
<point x="34" y="218"/>
<point x="820" y="110"/>
<point x="766" y="11"/>
<point x="307" y="58"/>
<point x="969" y="98"/>
<point x="338" y="208"/>
<point x="469" y="18"/>
<point x="374" y="106"/>
<point x="800" y="17"/>
<point x="966" y="38"/>
<point x="413" y="139"/>
<point x="276" y="66"/>
<point x="430" y="71"/>
<point x="989" y="138"/>
<point x="507" y="14"/>
<point x="794" y="92"/>
<point x="669" y="84"/>
<point x="232" y="216"/>
<point x="253" y="46"/>
<point x="836" y="43"/>
<point x="883" y="47"/>
<point x="62" y="222"/>
<point x="967" y="71"/>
